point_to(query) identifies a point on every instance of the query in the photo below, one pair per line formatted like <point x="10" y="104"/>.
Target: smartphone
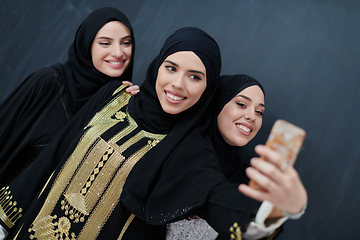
<point x="286" y="139"/>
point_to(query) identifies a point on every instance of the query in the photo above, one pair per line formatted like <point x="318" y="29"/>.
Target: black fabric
<point x="36" y="111"/>
<point x="229" y="157"/>
<point x="225" y="205"/>
<point x="148" y="183"/>
<point x="81" y="78"/>
<point x="58" y="151"/>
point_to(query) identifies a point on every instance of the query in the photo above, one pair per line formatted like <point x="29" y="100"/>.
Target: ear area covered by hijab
<point x="144" y="185"/>
<point x="81" y="78"/>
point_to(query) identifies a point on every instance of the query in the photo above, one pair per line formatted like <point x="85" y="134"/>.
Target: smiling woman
<point x="38" y="109"/>
<point x="241" y="118"/>
<point x="181" y="81"/>
<point x="111" y="50"/>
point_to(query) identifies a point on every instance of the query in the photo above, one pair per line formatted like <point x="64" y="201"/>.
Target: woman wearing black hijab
<point x="102" y="178"/>
<point x="238" y="108"/>
<point x="37" y="110"/>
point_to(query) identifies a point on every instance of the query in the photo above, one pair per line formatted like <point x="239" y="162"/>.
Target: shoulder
<point x="111" y="89"/>
<point x="46" y="72"/>
<point x="44" y="77"/>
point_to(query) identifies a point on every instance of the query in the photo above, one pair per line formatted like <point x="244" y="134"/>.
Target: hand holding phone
<point x="286" y="139"/>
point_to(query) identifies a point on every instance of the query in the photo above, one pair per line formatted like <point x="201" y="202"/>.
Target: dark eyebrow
<point x="171" y="62"/>
<point x="246" y="97"/>
<point x="199" y="72"/>
<point x="108" y="38"/>
<point x="104" y="38"/>
<point x="176" y="65"/>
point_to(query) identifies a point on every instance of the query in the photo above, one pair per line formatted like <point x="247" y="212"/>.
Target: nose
<point x="178" y="81"/>
<point x="250" y="114"/>
<point x="117" y="51"/>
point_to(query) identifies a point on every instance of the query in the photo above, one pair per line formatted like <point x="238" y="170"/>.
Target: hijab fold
<point x="81" y="79"/>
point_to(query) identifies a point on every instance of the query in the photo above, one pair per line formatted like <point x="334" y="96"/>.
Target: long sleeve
<point x="25" y="123"/>
<point x="226" y="205"/>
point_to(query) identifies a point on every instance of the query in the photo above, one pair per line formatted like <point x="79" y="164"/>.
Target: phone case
<point x="286" y="139"/>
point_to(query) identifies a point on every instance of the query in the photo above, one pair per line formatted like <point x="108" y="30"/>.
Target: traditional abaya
<point x="104" y="178"/>
<point x="37" y="110"/>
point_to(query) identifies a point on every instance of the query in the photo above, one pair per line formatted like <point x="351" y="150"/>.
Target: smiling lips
<point x="246" y="130"/>
<point x="116" y="64"/>
<point x="173" y="97"/>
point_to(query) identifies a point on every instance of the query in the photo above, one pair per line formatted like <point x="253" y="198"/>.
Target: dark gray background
<point x="305" y="52"/>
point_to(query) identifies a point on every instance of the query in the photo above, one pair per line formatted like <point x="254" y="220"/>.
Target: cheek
<point x="95" y="55"/>
<point x="197" y="91"/>
<point x="259" y="124"/>
<point x="158" y="85"/>
<point x="223" y="124"/>
<point x="128" y="51"/>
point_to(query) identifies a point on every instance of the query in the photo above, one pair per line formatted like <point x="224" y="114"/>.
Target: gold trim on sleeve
<point x="127" y="224"/>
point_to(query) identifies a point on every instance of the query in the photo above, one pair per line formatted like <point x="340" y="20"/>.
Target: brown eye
<point x="104" y="43"/>
<point x="195" y="77"/>
<point x="170" y="68"/>
<point x="127" y="43"/>
<point x="241" y="104"/>
<point x="259" y="113"/>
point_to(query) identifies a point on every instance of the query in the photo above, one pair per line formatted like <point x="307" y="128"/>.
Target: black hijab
<point x="228" y="88"/>
<point x="81" y="79"/>
<point x="145" y="183"/>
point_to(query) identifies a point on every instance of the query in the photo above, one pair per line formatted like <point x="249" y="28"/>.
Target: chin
<point x="240" y="142"/>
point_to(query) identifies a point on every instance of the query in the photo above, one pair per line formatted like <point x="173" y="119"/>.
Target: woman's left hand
<point x="280" y="182"/>
<point x="133" y="89"/>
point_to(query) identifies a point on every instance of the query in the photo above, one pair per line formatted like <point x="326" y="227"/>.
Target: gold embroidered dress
<point x="86" y="191"/>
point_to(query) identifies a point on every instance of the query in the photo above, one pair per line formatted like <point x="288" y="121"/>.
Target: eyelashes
<point x="243" y="106"/>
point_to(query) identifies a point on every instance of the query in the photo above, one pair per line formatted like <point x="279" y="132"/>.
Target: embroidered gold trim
<point x="127" y="224"/>
<point x="235" y="232"/>
<point x="119" y="89"/>
<point x="111" y="197"/>
<point x="47" y="182"/>
<point x="89" y="185"/>
<point x="18" y="232"/>
<point x="9" y="212"/>
<point x="104" y="116"/>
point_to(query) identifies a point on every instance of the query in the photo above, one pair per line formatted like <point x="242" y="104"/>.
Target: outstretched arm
<point x="282" y="186"/>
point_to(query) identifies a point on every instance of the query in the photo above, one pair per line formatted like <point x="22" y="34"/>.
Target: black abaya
<point x="37" y="110"/>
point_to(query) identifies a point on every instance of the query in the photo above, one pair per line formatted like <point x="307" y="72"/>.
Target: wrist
<point x="297" y="215"/>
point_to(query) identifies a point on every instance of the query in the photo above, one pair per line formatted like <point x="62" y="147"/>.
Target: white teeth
<point x="116" y="62"/>
<point x="242" y="127"/>
<point x="172" y="97"/>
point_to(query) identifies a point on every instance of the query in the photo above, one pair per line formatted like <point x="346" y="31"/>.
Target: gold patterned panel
<point x="111" y="197"/>
<point x="105" y="114"/>
<point x="119" y="89"/>
<point x="90" y="184"/>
